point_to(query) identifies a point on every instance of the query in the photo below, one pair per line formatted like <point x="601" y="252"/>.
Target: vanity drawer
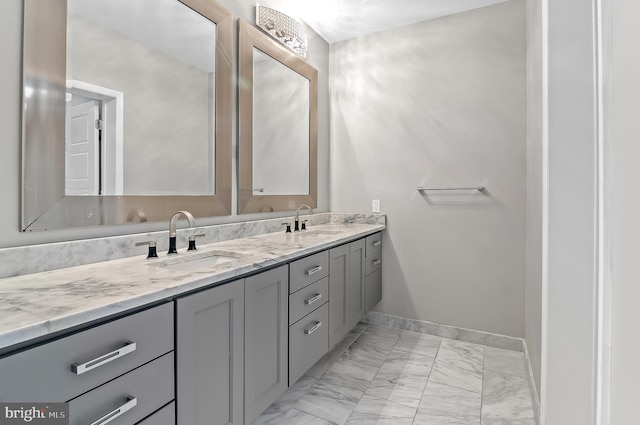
<point x="136" y="395"/>
<point x="308" y="342"/>
<point x="62" y="369"/>
<point x="164" y="416"/>
<point x="308" y="270"/>
<point x="373" y="262"/>
<point x="308" y="299"/>
<point x="373" y="244"/>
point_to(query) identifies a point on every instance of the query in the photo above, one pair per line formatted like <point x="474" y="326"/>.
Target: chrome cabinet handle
<point x="130" y="404"/>
<point x="79" y="369"/>
<point x="313" y="299"/>
<point x="314" y="270"/>
<point x="377" y="262"/>
<point x="313" y="328"/>
<point x="377" y="243"/>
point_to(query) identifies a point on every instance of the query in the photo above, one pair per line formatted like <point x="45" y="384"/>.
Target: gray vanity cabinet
<point x="128" y="399"/>
<point x="373" y="270"/>
<point x="265" y="340"/>
<point x="164" y="416"/>
<point x="356" y="291"/>
<point x="121" y="370"/>
<point x="308" y="313"/>
<point x="209" y="354"/>
<point x="346" y="289"/>
<point x="65" y="368"/>
<point x="338" y="293"/>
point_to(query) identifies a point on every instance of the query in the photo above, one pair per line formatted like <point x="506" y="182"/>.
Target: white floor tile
<point x="505" y="397"/>
<point x="505" y="361"/>
<point x="372" y="410"/>
<point x="392" y="377"/>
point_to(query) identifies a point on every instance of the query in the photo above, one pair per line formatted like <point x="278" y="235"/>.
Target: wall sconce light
<point x="283" y="28"/>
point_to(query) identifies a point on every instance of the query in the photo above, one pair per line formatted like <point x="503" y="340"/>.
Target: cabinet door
<point x="209" y="350"/>
<point x="338" y="293"/>
<point x="266" y="340"/>
<point x="355" y="299"/>
<point x="373" y="283"/>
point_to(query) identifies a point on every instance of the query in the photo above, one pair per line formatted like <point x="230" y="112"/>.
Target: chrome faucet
<point x="136" y="212"/>
<point x="296" y="226"/>
<point x="172" y="228"/>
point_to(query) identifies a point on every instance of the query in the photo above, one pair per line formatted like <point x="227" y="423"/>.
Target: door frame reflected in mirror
<point x="249" y="38"/>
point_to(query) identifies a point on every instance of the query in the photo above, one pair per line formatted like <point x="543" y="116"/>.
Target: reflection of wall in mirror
<point x="168" y="124"/>
<point x="280" y="128"/>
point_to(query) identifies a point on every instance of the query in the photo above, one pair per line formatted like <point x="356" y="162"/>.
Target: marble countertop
<point x="39" y="304"/>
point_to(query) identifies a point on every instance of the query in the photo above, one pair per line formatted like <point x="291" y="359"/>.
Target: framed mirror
<point x="126" y="111"/>
<point x="278" y="125"/>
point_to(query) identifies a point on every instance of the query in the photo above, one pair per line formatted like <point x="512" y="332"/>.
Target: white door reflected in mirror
<point x="103" y="131"/>
<point x="82" y="148"/>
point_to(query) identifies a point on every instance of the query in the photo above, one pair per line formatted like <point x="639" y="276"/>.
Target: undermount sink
<point x="195" y="261"/>
<point x="320" y="232"/>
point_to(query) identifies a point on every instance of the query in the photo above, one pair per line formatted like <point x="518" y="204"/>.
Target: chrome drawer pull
<point x="313" y="328"/>
<point x="313" y="299"/>
<point x="79" y="369"/>
<point x="377" y="243"/>
<point x="377" y="262"/>
<point x="130" y="404"/>
<point x="314" y="270"/>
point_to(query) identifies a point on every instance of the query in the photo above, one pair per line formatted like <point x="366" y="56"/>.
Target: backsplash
<point x="22" y="260"/>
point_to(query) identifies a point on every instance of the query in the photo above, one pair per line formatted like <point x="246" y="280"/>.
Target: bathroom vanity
<point x="206" y="337"/>
<point x="229" y="327"/>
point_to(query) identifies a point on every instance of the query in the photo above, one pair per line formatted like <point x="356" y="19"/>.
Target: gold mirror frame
<point x="249" y="38"/>
<point x="43" y="132"/>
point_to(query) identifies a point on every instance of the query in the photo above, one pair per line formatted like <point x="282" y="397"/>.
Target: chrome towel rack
<point x="478" y="188"/>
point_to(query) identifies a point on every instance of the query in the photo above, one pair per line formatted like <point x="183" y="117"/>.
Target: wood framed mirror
<point x="278" y="125"/>
<point x="126" y="111"/>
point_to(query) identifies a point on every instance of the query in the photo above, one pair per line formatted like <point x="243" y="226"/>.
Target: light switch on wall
<point x="375" y="206"/>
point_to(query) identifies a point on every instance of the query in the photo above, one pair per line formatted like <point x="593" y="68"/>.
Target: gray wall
<point x="10" y="89"/>
<point x="164" y="129"/>
<point x="280" y="128"/>
<point x="533" y="260"/>
<point x="441" y="103"/>
<point x="625" y="133"/>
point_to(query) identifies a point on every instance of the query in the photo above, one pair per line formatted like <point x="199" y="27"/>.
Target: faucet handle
<point x="192" y="241"/>
<point x="288" y="224"/>
<point x="152" y="248"/>
<point x="304" y="225"/>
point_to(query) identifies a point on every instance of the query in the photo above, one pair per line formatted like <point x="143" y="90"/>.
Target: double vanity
<point x="207" y="336"/>
<point x="212" y="336"/>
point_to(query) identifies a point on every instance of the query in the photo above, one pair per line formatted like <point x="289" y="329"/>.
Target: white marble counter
<point x="40" y="304"/>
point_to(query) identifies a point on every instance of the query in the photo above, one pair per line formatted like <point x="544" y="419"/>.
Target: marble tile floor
<point x="384" y="376"/>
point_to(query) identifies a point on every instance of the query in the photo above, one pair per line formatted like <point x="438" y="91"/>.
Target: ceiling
<point x="338" y="20"/>
<point x="184" y="34"/>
